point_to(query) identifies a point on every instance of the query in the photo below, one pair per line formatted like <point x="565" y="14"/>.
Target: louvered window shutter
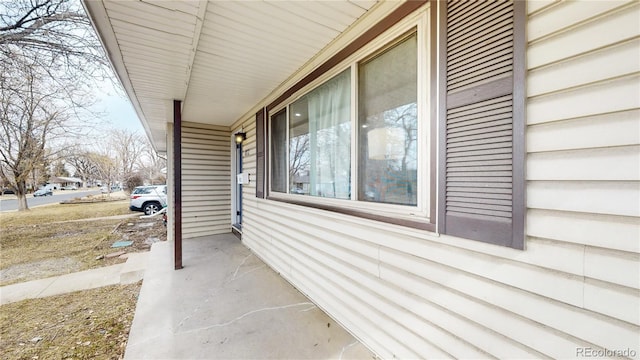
<point x="484" y="156"/>
<point x="260" y="153"/>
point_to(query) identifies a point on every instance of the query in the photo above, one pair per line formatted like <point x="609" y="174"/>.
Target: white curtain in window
<point x="330" y="138"/>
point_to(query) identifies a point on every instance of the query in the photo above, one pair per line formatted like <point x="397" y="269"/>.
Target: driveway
<point x="10" y="203"/>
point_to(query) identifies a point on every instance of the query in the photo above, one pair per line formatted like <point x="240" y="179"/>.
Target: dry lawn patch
<point x="48" y="241"/>
<point x="53" y="240"/>
<point x="63" y="212"/>
<point x="91" y="324"/>
<point x="79" y="245"/>
<point x="31" y="239"/>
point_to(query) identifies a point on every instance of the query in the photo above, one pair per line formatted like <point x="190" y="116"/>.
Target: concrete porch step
<point x="134" y="269"/>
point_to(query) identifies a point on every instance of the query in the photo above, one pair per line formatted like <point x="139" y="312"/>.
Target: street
<point x="9" y="204"/>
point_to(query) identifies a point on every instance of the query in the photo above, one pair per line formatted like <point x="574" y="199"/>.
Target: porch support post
<point x="177" y="183"/>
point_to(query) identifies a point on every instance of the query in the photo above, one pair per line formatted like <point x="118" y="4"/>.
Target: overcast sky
<point x="119" y="112"/>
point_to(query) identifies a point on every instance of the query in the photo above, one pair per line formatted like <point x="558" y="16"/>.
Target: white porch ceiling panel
<point x="219" y="57"/>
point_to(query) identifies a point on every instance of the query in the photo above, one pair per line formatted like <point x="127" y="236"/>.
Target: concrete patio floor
<point x="227" y="304"/>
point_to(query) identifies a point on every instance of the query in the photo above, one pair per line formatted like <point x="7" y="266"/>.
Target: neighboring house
<point x="478" y="161"/>
<point x="52" y="185"/>
<point x="62" y="181"/>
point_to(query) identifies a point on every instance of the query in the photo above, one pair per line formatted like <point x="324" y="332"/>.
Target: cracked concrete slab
<point x="227" y="304"/>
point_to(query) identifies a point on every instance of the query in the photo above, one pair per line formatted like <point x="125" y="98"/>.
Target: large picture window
<point x="313" y="143"/>
<point x="413" y="123"/>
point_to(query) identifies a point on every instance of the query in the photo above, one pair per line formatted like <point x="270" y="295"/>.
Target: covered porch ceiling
<point x="220" y="58"/>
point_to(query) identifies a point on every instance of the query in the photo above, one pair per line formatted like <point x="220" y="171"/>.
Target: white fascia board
<point x="101" y="23"/>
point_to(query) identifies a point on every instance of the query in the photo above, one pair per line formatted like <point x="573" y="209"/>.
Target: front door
<point x="237" y="218"/>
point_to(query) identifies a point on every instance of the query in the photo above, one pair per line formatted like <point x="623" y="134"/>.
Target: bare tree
<point x="49" y="58"/>
<point x="299" y="159"/>
<point x="128" y="147"/>
<point x="106" y="168"/>
<point x="132" y="160"/>
<point x="82" y="162"/>
<point x="39" y="175"/>
<point x="28" y="113"/>
<point x="56" y="34"/>
<point x="151" y="165"/>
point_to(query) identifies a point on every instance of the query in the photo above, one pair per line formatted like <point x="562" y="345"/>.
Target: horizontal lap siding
<point x="414" y="294"/>
<point x="583" y="137"/>
<point x="466" y="303"/>
<point x="206" y="174"/>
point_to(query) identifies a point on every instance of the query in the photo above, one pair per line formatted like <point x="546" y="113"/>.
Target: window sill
<point x="389" y="219"/>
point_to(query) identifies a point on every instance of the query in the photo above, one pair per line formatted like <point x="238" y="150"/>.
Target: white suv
<point x="149" y="199"/>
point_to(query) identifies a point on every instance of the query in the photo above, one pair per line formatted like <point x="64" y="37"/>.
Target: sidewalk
<point x="129" y="272"/>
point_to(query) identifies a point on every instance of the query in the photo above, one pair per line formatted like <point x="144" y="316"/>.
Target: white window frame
<point x="421" y="212"/>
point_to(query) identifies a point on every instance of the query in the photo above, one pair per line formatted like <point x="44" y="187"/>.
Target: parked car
<point x="149" y="199"/>
<point x="69" y="187"/>
<point x="7" y="191"/>
<point x="43" y="192"/>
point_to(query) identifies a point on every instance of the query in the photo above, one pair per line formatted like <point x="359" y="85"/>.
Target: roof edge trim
<point x="101" y="24"/>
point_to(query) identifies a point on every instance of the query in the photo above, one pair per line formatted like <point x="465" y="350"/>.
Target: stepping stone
<point x="118" y="244"/>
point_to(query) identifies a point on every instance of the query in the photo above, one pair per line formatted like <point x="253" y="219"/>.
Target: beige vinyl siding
<point x="583" y="140"/>
<point x="413" y="294"/>
<point x="378" y="278"/>
<point x="206" y="189"/>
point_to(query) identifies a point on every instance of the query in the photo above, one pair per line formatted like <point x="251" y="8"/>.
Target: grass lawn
<point x="63" y="238"/>
<point x="91" y="324"/>
<point x="63" y="212"/>
<point x="42" y="242"/>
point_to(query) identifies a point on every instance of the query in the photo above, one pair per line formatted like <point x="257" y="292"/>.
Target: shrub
<point x="132" y="181"/>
